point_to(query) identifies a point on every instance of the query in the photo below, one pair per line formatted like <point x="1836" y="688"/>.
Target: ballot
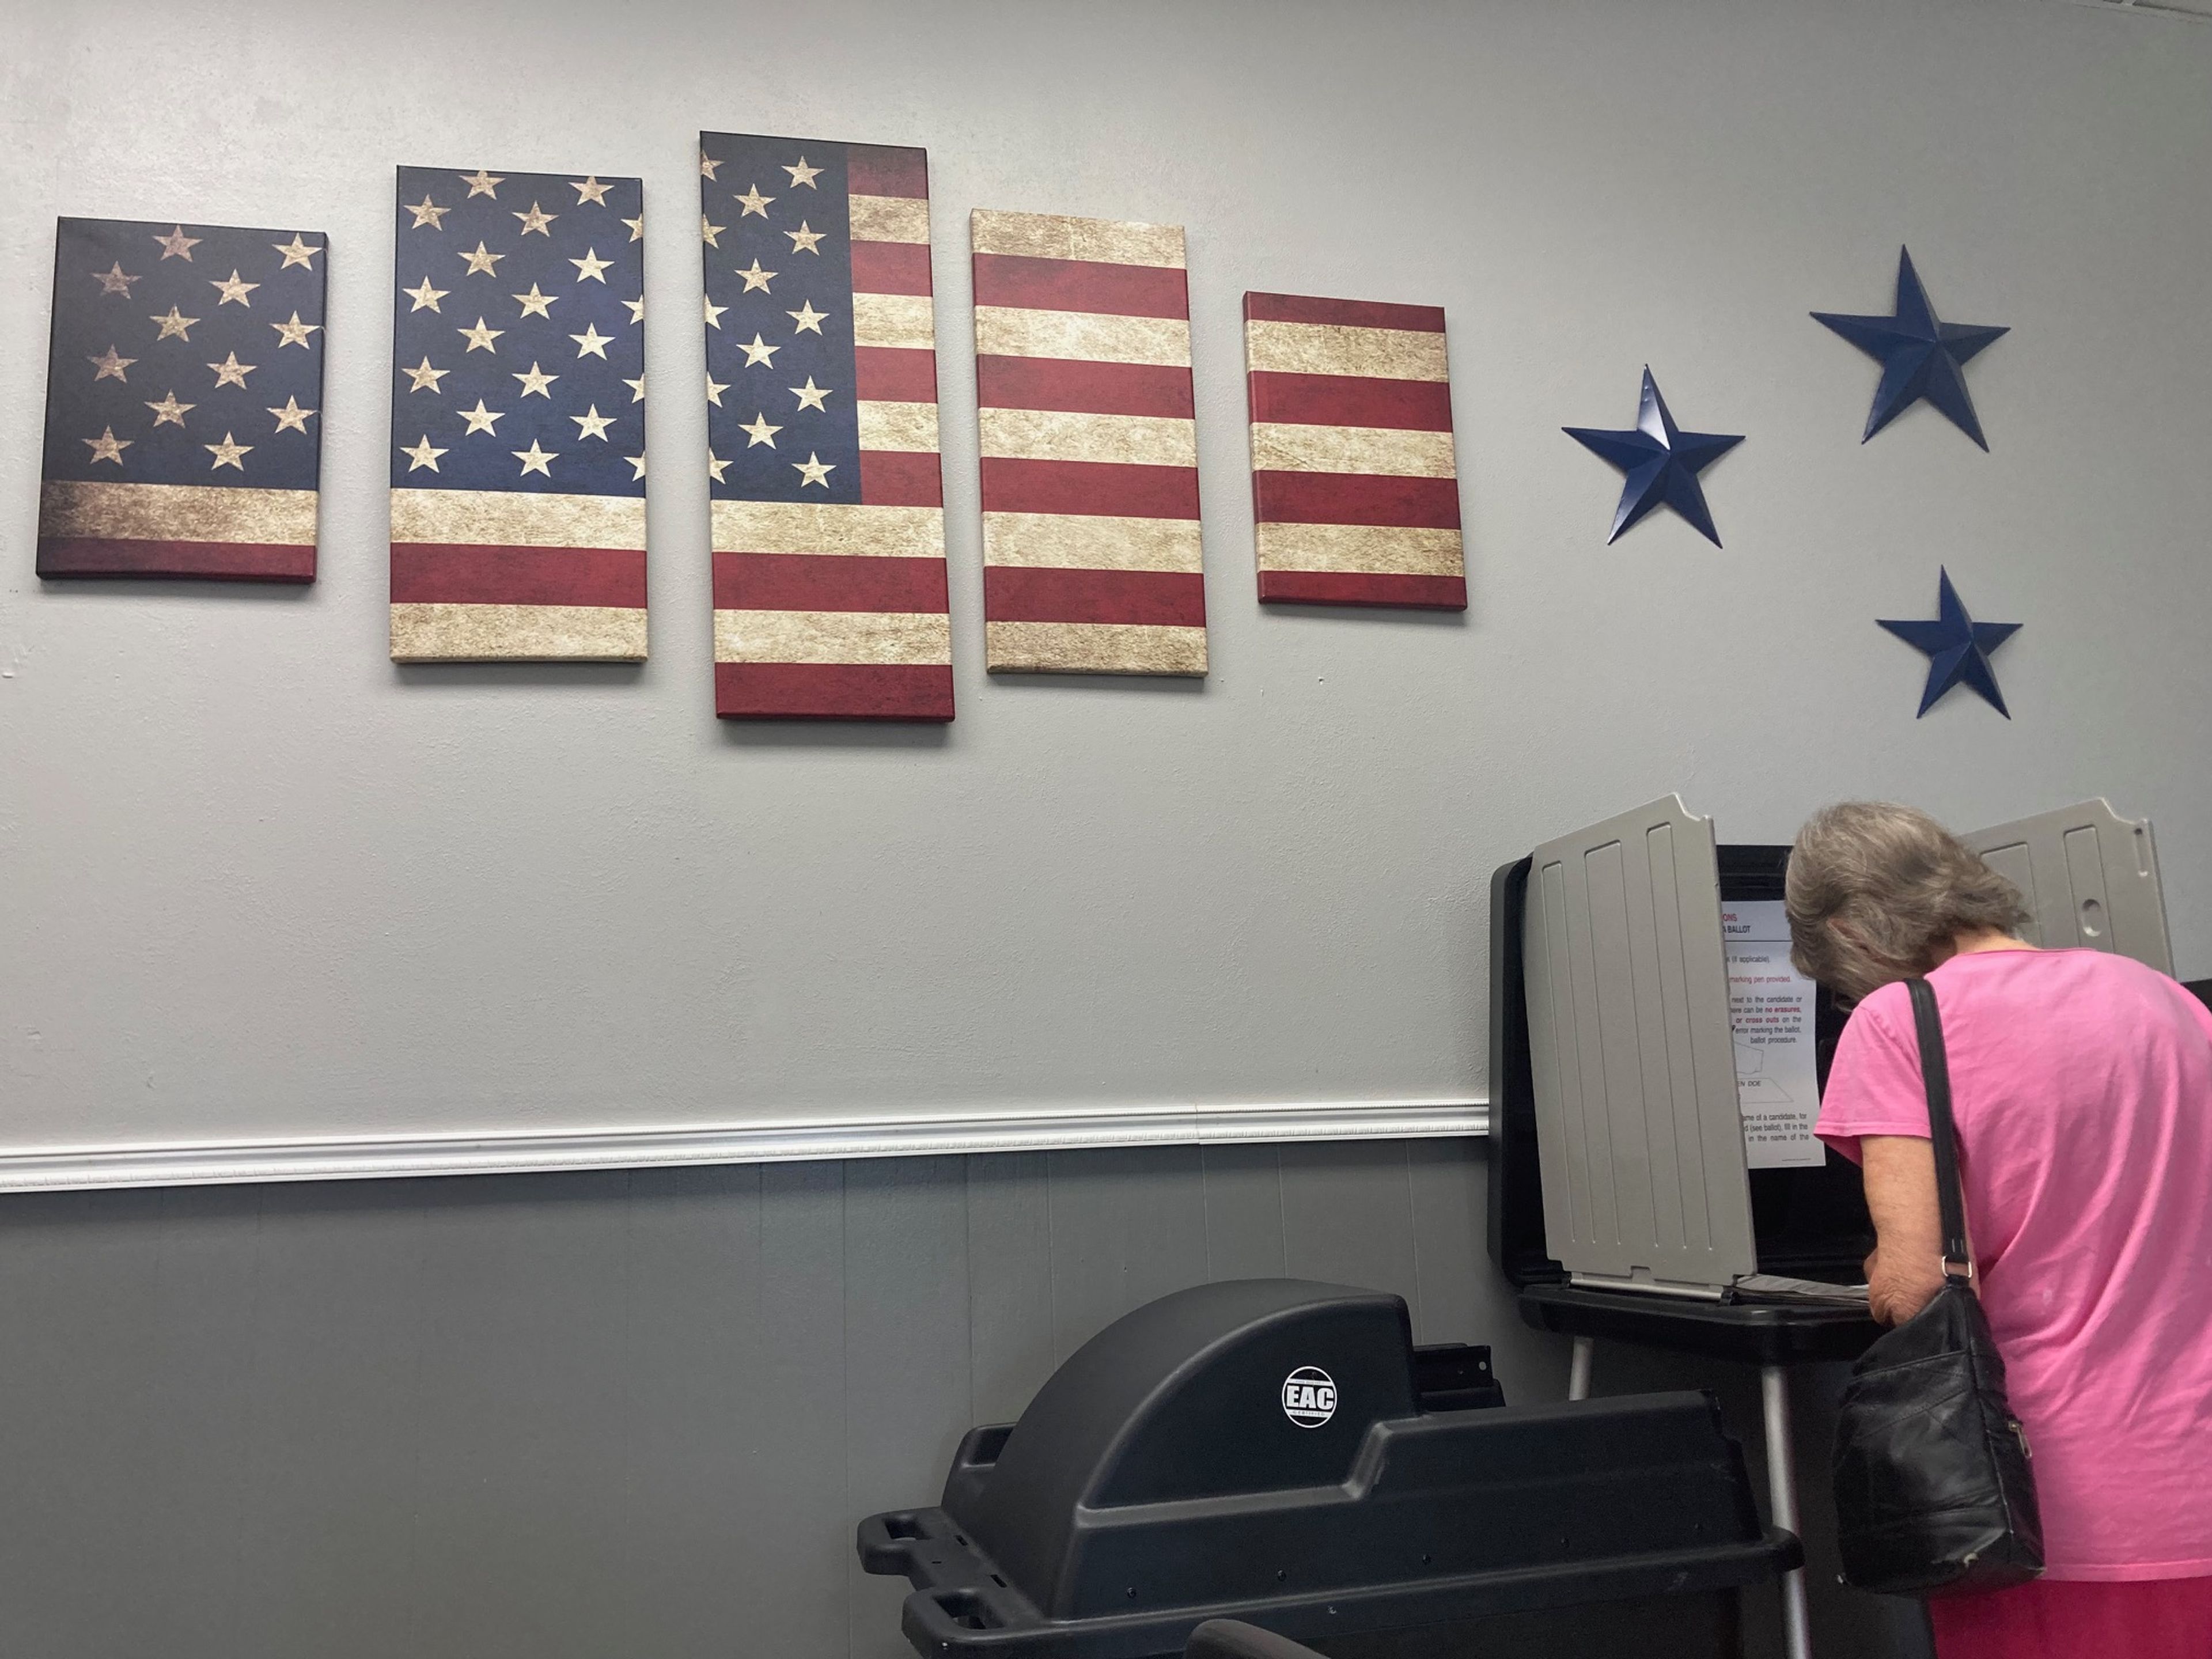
<point x="1770" y="1017"/>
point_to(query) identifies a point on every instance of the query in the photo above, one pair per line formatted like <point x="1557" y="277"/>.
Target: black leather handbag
<point x="1934" y="1492"/>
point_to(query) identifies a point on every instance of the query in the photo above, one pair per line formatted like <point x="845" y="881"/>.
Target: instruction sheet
<point x="1771" y="1011"/>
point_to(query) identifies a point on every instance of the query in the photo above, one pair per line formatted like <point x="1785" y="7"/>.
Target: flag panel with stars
<point x="827" y="504"/>
<point x="184" y="393"/>
<point x="1091" y="551"/>
<point x="517" y="417"/>
<point x="1355" y="490"/>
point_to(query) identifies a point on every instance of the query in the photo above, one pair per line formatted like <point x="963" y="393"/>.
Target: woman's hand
<point x="1906" y="1269"/>
<point x="1893" y="1297"/>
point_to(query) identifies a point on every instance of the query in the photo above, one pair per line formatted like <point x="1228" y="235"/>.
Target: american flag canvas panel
<point x="184" y="394"/>
<point x="1090" y="453"/>
<point x="518" y="418"/>
<point x="826" y="503"/>
<point x="1355" y="491"/>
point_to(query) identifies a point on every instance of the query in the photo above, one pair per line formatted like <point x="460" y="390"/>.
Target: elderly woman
<point x="2081" y="1085"/>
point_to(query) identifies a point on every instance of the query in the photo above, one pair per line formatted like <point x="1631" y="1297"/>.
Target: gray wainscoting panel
<point x="340" y="1308"/>
<point x="1244" y="1212"/>
<point x="569" y="1416"/>
<point x="788" y="1547"/>
<point x="909" y="1394"/>
<point x="1009" y="1350"/>
<point x="696" y="1294"/>
<point x="1109" y="1255"/>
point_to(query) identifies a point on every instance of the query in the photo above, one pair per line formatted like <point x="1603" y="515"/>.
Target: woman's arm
<point x="1906" y="1269"/>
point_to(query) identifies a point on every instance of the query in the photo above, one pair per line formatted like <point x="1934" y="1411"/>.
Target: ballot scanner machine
<point x="1278" y="1451"/>
<point x="1656" y="1066"/>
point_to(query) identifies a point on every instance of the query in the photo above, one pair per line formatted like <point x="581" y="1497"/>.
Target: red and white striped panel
<point x="1355" y="491"/>
<point x="832" y="611"/>
<point x="1089" y="452"/>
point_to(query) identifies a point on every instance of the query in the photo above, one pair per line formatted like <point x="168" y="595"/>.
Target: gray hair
<point x="1876" y="890"/>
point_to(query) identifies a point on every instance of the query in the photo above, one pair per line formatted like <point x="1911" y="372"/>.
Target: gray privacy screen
<point x="1638" y="1132"/>
<point x="2090" y="878"/>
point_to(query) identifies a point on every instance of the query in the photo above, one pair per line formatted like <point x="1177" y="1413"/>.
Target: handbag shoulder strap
<point x="1944" y="1135"/>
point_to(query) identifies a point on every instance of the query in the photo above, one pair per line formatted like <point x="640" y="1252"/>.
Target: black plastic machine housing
<point x="1262" y="1449"/>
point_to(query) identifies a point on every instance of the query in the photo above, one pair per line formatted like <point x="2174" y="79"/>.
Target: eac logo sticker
<point x="1308" y="1396"/>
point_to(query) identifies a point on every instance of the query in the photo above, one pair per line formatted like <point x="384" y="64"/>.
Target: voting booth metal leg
<point x="1578" y="1367"/>
<point x="1782" y="1492"/>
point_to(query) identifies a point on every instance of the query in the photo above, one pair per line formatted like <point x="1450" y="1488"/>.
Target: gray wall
<point x="569" y="1416"/>
<point x="257" y="881"/>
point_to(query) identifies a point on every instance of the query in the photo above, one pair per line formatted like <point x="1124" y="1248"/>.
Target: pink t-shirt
<point x="2081" y="1085"/>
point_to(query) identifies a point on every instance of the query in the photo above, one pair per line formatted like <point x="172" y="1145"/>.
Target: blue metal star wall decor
<point x="1660" y="461"/>
<point x="1920" y="356"/>
<point x="1957" y="648"/>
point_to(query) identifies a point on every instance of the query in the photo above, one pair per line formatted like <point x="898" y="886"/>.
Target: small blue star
<point x="1661" y="463"/>
<point x="1921" y="357"/>
<point x="1958" y="649"/>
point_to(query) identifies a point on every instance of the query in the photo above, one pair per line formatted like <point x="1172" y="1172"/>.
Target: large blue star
<point x="1660" y="461"/>
<point x="1957" y="648"/>
<point x="1921" y="357"/>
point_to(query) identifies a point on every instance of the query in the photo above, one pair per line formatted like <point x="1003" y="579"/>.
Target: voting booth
<point x="1280" y="1452"/>
<point x="1656" y="1067"/>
